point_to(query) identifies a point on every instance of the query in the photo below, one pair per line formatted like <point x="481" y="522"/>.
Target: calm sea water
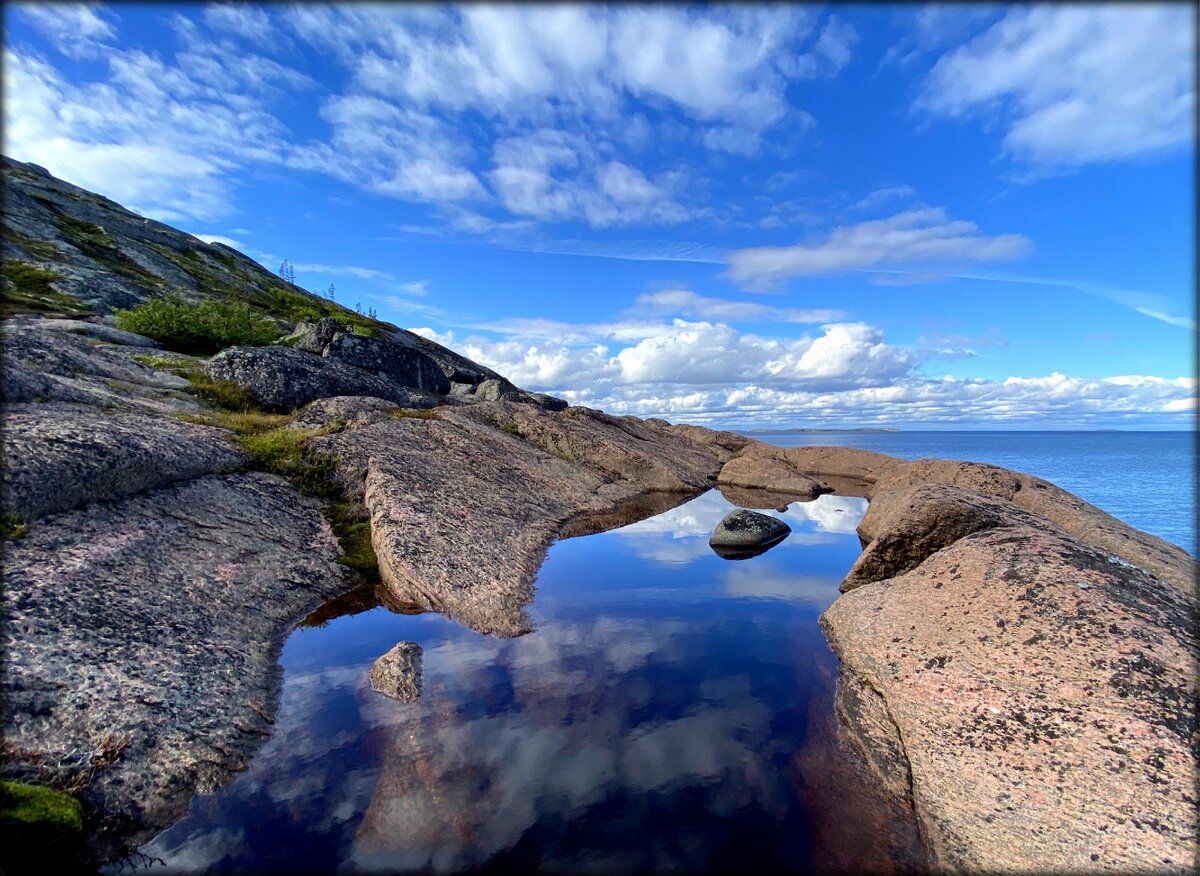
<point x="671" y="710"/>
<point x="1147" y="479"/>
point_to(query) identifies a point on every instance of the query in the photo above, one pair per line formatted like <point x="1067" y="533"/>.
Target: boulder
<point x="406" y="366"/>
<point x="314" y="337"/>
<point x="744" y="533"/>
<point x="283" y="379"/>
<point x="397" y="673"/>
<point x="1034" y="697"/>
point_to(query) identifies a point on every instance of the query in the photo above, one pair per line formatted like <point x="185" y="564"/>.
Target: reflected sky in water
<point x="660" y="716"/>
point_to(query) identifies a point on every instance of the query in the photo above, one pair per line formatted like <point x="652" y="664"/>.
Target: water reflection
<point x="658" y="717"/>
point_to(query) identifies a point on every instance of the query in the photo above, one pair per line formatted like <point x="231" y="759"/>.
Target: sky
<point x="797" y="216"/>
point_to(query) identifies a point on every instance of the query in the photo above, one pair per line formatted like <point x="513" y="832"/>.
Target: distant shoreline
<point x="796" y="431"/>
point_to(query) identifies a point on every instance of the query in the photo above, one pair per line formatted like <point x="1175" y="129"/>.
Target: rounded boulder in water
<point x="742" y="534"/>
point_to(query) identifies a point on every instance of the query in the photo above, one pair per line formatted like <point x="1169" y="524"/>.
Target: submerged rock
<point x="743" y="534"/>
<point x="397" y="673"/>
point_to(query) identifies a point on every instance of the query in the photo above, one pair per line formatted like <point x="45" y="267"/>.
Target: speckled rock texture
<point x="61" y="456"/>
<point x="397" y="673"/>
<point x="1020" y="666"/>
<point x="283" y="379"/>
<point x="1043" y="693"/>
<point x="146" y="631"/>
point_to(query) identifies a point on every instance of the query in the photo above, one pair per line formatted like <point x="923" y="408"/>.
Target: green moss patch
<point x="12" y="526"/>
<point x="41" y="825"/>
<point x="25" y="288"/>
<point x="414" y="413"/>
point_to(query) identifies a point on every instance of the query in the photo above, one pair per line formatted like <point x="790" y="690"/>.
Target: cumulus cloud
<point x="1077" y="84"/>
<point x="916" y="236"/>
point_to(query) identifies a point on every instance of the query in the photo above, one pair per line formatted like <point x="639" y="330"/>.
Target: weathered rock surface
<point x="759" y="467"/>
<point x="744" y="533"/>
<point x="921" y="521"/>
<point x="462" y="510"/>
<point x="403" y="364"/>
<point x="43" y="363"/>
<point x="397" y="673"/>
<point x="1043" y="698"/>
<point x="147" y="630"/>
<point x="61" y="456"/>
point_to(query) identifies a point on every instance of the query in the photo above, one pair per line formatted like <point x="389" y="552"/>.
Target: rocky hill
<point x="1018" y="667"/>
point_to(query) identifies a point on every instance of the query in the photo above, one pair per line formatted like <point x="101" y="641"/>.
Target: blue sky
<point x="815" y="216"/>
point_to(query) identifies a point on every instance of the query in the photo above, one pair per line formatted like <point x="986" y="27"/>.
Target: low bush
<point x="201" y="327"/>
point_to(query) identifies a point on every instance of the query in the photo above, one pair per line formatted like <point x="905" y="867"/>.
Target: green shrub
<point x="207" y="326"/>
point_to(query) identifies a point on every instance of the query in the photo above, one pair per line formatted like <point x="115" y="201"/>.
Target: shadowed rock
<point x="397" y="673"/>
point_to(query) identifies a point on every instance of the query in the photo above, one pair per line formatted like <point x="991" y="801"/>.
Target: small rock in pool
<point x="743" y="534"/>
<point x="397" y="673"/>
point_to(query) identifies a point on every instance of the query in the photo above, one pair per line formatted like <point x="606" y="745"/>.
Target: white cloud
<point x="1077" y="84"/>
<point x="78" y="30"/>
<point x="245" y="21"/>
<point x="918" y="235"/>
<point x="220" y="238"/>
<point x="684" y="302"/>
<point x="882" y="195"/>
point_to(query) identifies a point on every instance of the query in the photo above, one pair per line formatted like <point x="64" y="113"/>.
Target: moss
<point x="511" y="428"/>
<point x="40" y="824"/>
<point x="26" y="289"/>
<point x="414" y="413"/>
<point x="206" y="326"/>
<point x="181" y="367"/>
<point x="353" y="530"/>
<point x="13" y="526"/>
<point x="283" y="452"/>
<point x="39" y="249"/>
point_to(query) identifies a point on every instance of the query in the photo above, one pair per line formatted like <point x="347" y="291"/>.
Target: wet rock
<point x="744" y="533"/>
<point x="147" y="629"/>
<point x="61" y="456"/>
<point x="283" y="379"/>
<point x="1044" y="695"/>
<point x="397" y="673"/>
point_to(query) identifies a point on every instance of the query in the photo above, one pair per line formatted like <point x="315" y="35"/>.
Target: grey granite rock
<point x="283" y="379"/>
<point x="61" y="456"/>
<point x="149" y="628"/>
<point x="397" y="673"/>
<point x="405" y="366"/>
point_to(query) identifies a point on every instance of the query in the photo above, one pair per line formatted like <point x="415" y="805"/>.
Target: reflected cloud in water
<point x="652" y="720"/>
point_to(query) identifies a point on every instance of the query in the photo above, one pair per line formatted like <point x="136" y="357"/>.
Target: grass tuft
<point x="13" y="526"/>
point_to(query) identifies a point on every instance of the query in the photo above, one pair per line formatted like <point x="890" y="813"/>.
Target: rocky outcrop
<point x="463" y="506"/>
<point x="69" y="455"/>
<point x="1035" y="698"/>
<point x="398" y="363"/>
<point x="397" y="673"/>
<point x="141" y="635"/>
<point x="760" y="466"/>
<point x="283" y="379"/>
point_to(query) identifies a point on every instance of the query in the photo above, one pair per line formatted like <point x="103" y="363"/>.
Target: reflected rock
<point x="764" y="467"/>
<point x="397" y="673"/>
<point x="629" y="511"/>
<point x="743" y="534"/>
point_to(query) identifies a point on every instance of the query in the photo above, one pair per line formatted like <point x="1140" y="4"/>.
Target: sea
<point x="1147" y="479"/>
<point x="671" y="709"/>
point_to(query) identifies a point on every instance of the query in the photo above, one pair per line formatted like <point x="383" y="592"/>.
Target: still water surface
<point x="671" y="710"/>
